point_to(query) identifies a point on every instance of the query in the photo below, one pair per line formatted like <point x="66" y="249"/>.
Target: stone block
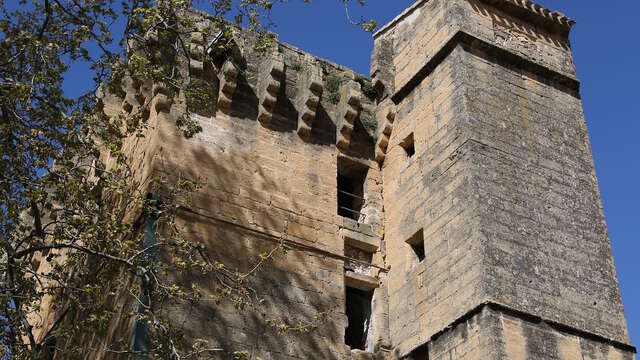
<point x="360" y="281"/>
<point x="360" y="240"/>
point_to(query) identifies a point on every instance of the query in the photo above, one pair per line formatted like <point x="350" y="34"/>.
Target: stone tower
<point x="489" y="168"/>
<point x="444" y="208"/>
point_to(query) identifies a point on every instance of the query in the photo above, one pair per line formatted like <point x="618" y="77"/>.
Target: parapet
<point x="280" y="86"/>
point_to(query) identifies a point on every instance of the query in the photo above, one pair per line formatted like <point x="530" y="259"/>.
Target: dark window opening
<point x="417" y="245"/>
<point x="420" y="353"/>
<point x="351" y="178"/>
<point x="408" y="145"/>
<point x="358" y="311"/>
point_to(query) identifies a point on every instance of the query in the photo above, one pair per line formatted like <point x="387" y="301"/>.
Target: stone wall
<point x="494" y="332"/>
<point x="546" y="248"/>
<point x="268" y="155"/>
<point x="431" y="191"/>
<point x="480" y="163"/>
<point x="502" y="182"/>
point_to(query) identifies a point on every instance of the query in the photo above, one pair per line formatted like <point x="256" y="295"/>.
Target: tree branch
<point x="46" y="19"/>
<point x="34" y="249"/>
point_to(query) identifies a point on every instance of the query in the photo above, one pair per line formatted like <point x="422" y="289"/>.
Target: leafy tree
<point x="74" y="220"/>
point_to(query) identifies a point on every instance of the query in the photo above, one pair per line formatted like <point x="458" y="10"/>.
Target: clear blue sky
<point x="607" y="56"/>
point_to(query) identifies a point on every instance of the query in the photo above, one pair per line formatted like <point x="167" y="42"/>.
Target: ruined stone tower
<point x="445" y="208"/>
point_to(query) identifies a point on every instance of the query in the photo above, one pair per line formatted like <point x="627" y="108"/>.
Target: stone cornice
<point x="531" y="318"/>
<point x="553" y="21"/>
<point x="538" y="14"/>
<point x="461" y="37"/>
<point x="408" y="11"/>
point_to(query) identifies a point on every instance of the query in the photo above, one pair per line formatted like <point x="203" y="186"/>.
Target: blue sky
<point x="607" y="57"/>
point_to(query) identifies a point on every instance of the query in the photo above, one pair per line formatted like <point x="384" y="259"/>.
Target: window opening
<point x="140" y="338"/>
<point x="351" y="178"/>
<point x="417" y="246"/>
<point x="358" y="311"/>
<point x="408" y="145"/>
<point x="419" y="353"/>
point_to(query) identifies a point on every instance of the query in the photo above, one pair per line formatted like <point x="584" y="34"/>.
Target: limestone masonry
<point x="446" y="207"/>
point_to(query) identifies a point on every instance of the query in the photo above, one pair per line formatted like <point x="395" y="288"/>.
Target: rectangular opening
<point x="420" y="353"/>
<point x="408" y="145"/>
<point x="358" y="309"/>
<point x="416" y="242"/>
<point x="351" y="178"/>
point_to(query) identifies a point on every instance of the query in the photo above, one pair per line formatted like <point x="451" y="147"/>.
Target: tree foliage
<point x="72" y="216"/>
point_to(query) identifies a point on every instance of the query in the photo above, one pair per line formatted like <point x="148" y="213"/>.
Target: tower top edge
<point x="525" y="8"/>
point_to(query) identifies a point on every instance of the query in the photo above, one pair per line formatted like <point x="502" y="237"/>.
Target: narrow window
<point x="140" y="337"/>
<point x="351" y="178"/>
<point x="358" y="311"/>
<point x="416" y="242"/>
<point x="408" y="146"/>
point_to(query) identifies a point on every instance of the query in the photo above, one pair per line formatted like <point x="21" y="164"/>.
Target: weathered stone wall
<point x="529" y="338"/>
<point x="268" y="156"/>
<point x="419" y="36"/>
<point x="431" y="191"/>
<point x="481" y="147"/>
<point x="546" y="248"/>
<point x="492" y="332"/>
<point x="532" y="40"/>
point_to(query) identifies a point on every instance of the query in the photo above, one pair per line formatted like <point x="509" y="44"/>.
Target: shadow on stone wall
<point x="295" y="287"/>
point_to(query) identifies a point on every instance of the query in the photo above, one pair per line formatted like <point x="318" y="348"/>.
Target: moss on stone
<point x="200" y="95"/>
<point x="367" y="87"/>
<point x="333" y="88"/>
<point x="369" y="122"/>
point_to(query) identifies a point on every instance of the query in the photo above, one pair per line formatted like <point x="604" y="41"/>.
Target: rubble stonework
<point x="473" y="222"/>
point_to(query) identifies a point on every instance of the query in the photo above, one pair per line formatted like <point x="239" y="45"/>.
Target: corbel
<point x="389" y="115"/>
<point x="308" y="97"/>
<point x="347" y="113"/>
<point x="269" y="83"/>
<point x="196" y="54"/>
<point x="160" y="98"/>
<point x="228" y="84"/>
<point x="131" y="98"/>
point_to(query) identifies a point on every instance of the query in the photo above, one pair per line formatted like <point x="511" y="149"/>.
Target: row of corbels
<point x="538" y="9"/>
<point x="227" y="73"/>
<point x="136" y="96"/>
<point x="309" y="91"/>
